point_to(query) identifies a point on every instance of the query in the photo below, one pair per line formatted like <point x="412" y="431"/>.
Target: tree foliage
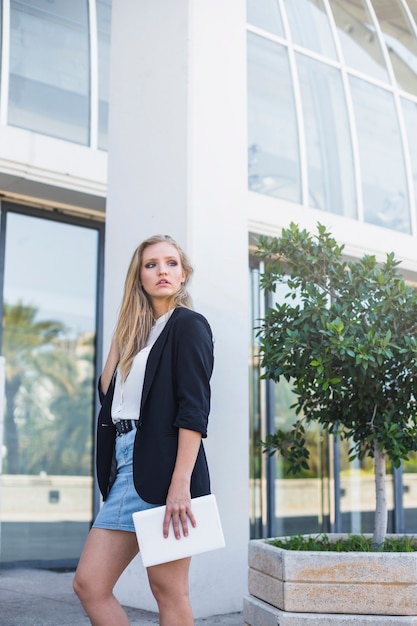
<point x="346" y="337"/>
<point x="49" y="395"/>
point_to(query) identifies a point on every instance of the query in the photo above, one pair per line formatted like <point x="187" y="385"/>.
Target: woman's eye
<point x="173" y="263"/>
<point x="150" y="265"/>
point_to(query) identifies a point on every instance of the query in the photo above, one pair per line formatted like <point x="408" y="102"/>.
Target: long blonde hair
<point x="136" y="316"/>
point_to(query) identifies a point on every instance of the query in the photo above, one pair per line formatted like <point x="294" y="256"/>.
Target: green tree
<point x="49" y="395"/>
<point x="24" y="338"/>
<point x="346" y="338"/>
<point x="54" y="411"/>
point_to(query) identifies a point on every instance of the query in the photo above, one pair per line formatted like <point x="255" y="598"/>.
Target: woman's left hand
<point x="178" y="510"/>
<point x="178" y="503"/>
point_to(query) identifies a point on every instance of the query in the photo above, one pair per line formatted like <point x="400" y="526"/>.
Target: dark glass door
<point x="49" y="306"/>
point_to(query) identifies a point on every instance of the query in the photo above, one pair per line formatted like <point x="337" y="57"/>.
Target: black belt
<point x="125" y="426"/>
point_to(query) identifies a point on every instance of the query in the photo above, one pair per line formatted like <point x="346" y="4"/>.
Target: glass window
<point x="49" y="343"/>
<point x="103" y="24"/>
<point x="384" y="186"/>
<point x="257" y="460"/>
<point x="280" y="503"/>
<point x="358" y="38"/>
<point x="49" y="68"/>
<point x="301" y="501"/>
<point x="329" y="151"/>
<point x="310" y="26"/>
<point x="274" y="163"/>
<point x="357" y="493"/>
<point x="410" y="119"/>
<point x="265" y="14"/>
<point x="401" y="42"/>
<point x="410" y="494"/>
<point x="412" y="7"/>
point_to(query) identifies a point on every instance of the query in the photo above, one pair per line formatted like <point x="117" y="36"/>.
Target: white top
<point x="128" y="393"/>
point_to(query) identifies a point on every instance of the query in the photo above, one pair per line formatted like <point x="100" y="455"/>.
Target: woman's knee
<point x="168" y="584"/>
<point x="86" y="588"/>
<point x="81" y="585"/>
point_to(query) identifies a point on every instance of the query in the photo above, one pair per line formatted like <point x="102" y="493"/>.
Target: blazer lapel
<point x="154" y="357"/>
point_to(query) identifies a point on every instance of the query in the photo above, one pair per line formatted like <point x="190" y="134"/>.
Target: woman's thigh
<point x="105" y="556"/>
<point x="170" y="579"/>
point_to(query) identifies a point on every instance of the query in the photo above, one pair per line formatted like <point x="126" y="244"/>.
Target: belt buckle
<point x="122" y="427"/>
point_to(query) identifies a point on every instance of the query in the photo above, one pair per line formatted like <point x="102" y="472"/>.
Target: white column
<point x="177" y="165"/>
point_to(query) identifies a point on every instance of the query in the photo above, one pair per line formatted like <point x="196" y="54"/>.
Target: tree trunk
<point x="381" y="510"/>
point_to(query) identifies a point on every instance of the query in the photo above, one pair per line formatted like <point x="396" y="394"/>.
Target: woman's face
<point x="161" y="274"/>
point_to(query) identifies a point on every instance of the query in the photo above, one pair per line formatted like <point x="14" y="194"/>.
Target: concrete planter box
<point x="289" y="587"/>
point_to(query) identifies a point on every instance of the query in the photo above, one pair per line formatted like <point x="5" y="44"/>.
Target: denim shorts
<point x="123" y="499"/>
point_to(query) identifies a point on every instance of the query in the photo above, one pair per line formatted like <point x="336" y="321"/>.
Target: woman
<point x="155" y="396"/>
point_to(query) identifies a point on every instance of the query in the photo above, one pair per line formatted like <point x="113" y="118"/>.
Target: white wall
<point x="177" y="166"/>
<point x="49" y="171"/>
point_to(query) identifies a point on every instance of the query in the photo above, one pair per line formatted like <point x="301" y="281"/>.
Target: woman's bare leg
<point x="106" y="555"/>
<point x="169" y="584"/>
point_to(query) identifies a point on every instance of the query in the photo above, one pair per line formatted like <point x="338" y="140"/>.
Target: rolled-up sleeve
<point x="194" y="366"/>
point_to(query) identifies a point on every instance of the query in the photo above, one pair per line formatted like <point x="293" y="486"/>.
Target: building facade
<point x="214" y="121"/>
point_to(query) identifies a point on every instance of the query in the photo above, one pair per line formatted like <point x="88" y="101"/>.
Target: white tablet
<point x="206" y="536"/>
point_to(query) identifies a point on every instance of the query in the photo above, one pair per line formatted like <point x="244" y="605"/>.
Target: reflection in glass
<point x="49" y="345"/>
<point x="256" y="458"/>
<point x="329" y="152"/>
<point x="358" y="37"/>
<point x="410" y="118"/>
<point x="280" y="503"/>
<point x="310" y="26"/>
<point x="401" y="42"/>
<point x="103" y="24"/>
<point x="274" y="167"/>
<point x="384" y="186"/>
<point x="265" y="15"/>
<point x="357" y="493"/>
<point x="412" y="7"/>
<point x="49" y="68"/>
<point x="410" y="493"/>
<point x="302" y="501"/>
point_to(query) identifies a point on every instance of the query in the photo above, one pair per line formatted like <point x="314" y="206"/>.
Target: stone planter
<point x="293" y="588"/>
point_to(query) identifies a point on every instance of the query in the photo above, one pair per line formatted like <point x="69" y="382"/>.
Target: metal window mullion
<point x="94" y="94"/>
<point x="399" y="519"/>
<point x="407" y="162"/>
<point x="410" y="16"/>
<point x="96" y="496"/>
<point x="381" y="40"/>
<point x="298" y="108"/>
<point x="350" y="113"/>
<point x="404" y="137"/>
<point x="3" y="215"/>
<point x="5" y="62"/>
<point x="337" y="491"/>
<point x="263" y="410"/>
<point x="316" y="56"/>
<point x="400" y="118"/>
<point x="265" y="34"/>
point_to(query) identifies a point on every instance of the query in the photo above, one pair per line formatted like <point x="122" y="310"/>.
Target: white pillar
<point x="177" y="165"/>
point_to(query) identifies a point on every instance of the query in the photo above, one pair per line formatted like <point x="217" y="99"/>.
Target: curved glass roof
<point x="332" y="106"/>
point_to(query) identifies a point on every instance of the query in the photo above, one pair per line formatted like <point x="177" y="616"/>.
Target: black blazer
<point x="176" y="394"/>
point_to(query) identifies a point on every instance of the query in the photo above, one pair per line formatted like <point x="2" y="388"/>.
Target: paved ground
<point x="33" y="597"/>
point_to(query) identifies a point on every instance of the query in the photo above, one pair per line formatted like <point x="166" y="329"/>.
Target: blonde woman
<point x="155" y="397"/>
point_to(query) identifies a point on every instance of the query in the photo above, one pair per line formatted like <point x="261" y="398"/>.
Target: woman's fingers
<point x="180" y="515"/>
